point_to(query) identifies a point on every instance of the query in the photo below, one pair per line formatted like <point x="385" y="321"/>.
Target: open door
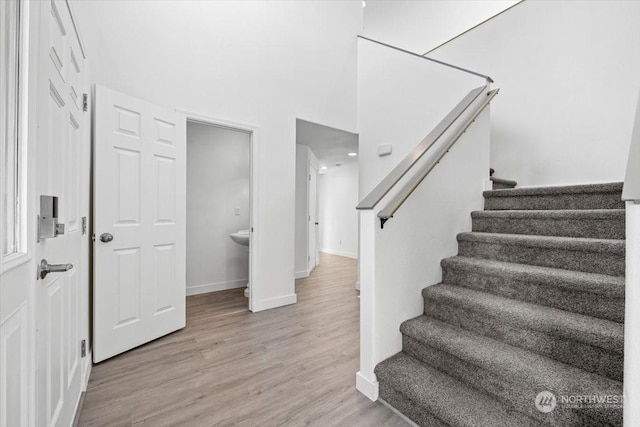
<point x="139" y="228"/>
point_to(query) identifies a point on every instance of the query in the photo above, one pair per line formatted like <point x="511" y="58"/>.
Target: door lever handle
<point x="45" y="268"/>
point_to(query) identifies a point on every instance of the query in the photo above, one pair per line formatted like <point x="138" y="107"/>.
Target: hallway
<point x="290" y="366"/>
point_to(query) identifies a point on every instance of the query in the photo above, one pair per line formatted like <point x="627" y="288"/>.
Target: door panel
<point x="140" y="187"/>
<point x="62" y="169"/>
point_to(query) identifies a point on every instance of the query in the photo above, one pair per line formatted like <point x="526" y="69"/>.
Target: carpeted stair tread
<point x="551" y="321"/>
<point x="501" y="183"/>
<point x="447" y="399"/>
<point x="609" y="187"/>
<point x="572" y="253"/>
<point x="599" y="284"/>
<point x="592" y="223"/>
<point x="513" y="363"/>
<point x="593" y="196"/>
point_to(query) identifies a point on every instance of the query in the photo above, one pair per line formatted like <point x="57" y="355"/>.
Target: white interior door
<point x="139" y="203"/>
<point x="62" y="171"/>
<point x="313" y="216"/>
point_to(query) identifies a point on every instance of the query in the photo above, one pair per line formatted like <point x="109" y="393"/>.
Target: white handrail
<point x="416" y="179"/>
<point x="381" y="190"/>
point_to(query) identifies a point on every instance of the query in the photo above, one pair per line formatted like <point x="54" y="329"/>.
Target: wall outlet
<point x="236" y="210"/>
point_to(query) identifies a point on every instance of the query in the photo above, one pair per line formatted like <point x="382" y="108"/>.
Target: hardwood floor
<point x="289" y="366"/>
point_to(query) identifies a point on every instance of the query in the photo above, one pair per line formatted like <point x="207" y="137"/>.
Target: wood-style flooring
<point x="290" y="366"/>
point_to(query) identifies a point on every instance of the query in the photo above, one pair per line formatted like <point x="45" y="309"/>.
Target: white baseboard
<point x="87" y="371"/>
<point x="367" y="387"/>
<point x="267" y="304"/>
<point x="339" y="253"/>
<point x="213" y="287"/>
<point x="301" y="274"/>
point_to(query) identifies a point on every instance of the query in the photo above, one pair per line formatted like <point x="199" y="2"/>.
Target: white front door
<point x="313" y="217"/>
<point x="140" y="217"/>
<point x="17" y="331"/>
<point x="63" y="146"/>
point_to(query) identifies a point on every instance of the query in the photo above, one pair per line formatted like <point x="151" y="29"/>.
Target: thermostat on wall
<point x="384" y="150"/>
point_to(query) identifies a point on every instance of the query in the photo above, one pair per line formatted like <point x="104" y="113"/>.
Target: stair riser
<point x="603" y="262"/>
<point x="593" y="359"/>
<point x="405" y="405"/>
<point x="555" y="202"/>
<point x="538" y="293"/>
<point x="519" y="395"/>
<point x="596" y="228"/>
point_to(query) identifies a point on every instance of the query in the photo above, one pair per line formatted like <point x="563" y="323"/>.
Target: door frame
<point x="315" y="230"/>
<point x="254" y="234"/>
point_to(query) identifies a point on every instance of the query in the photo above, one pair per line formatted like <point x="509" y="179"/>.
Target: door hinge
<point x="309" y="177"/>
<point x="83" y="348"/>
<point x="85" y="102"/>
<point x="84" y="225"/>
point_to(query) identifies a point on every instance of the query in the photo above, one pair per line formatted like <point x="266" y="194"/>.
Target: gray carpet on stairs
<point x="533" y="302"/>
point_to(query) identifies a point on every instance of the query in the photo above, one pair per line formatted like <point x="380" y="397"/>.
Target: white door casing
<point x="312" y="203"/>
<point x="63" y="146"/>
<point x="140" y="200"/>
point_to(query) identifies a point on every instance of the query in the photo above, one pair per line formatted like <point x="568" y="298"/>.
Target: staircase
<point x="534" y="302"/>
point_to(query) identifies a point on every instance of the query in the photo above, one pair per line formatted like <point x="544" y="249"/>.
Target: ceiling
<point x="330" y="145"/>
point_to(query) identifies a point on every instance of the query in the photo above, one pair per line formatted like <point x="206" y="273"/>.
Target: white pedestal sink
<point x="242" y="238"/>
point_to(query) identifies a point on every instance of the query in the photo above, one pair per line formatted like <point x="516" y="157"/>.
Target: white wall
<point x="338" y="215"/>
<point x="569" y="72"/>
<point x="217" y="182"/>
<point x="420" y="26"/>
<point x="259" y="63"/>
<point x="401" y="103"/>
<point x="304" y="158"/>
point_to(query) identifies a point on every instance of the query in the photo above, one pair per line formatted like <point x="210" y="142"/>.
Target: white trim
<point x="301" y="274"/>
<point x="339" y="253"/>
<point x="274" y="302"/>
<point x="26" y="154"/>
<point x="631" y="409"/>
<point x="367" y="387"/>
<point x="254" y="240"/>
<point x="214" y="287"/>
<point x="398" y="413"/>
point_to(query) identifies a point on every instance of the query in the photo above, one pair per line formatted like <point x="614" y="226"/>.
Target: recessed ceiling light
<point x="323" y="168"/>
<point x="364" y="3"/>
<point x="352" y="154"/>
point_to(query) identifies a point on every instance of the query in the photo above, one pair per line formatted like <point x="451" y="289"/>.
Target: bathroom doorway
<point x="220" y="212"/>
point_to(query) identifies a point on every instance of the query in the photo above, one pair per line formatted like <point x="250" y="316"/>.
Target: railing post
<point x="366" y="381"/>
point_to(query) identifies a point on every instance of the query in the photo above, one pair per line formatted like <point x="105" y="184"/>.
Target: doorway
<point x="218" y="208"/>
<point x="326" y="194"/>
<point x="221" y="180"/>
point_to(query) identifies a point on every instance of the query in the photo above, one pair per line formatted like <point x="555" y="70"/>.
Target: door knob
<point x="45" y="268"/>
<point x="106" y="237"/>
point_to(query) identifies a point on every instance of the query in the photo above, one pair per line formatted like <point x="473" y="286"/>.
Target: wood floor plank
<point x="291" y="366"/>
